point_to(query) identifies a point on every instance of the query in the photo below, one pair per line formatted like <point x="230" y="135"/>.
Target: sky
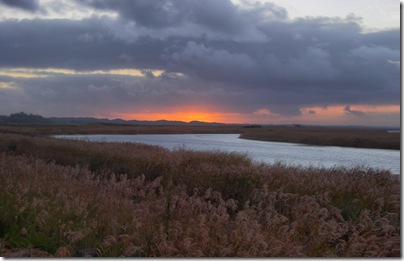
<point x="319" y="62"/>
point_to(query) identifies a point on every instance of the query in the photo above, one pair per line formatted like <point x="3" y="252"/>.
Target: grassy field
<point x="72" y="198"/>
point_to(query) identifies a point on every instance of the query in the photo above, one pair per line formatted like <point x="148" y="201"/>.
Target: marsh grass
<point x="343" y="137"/>
<point x="58" y="197"/>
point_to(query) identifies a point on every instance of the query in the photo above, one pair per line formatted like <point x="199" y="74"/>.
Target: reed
<point x="64" y="198"/>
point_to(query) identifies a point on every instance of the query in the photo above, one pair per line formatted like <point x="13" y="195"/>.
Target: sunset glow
<point x="185" y="114"/>
<point x="339" y="110"/>
<point x="174" y="116"/>
<point x="351" y="115"/>
<point x="331" y="115"/>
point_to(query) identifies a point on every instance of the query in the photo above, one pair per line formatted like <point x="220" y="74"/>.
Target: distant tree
<point x="252" y="126"/>
<point x="23" y="117"/>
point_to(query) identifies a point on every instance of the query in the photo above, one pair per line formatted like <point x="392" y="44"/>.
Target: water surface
<point x="264" y="151"/>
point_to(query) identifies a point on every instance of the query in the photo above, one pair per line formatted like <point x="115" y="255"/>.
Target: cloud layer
<point x="233" y="58"/>
<point x="28" y="5"/>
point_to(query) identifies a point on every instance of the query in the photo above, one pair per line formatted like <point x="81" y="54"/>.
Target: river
<point x="264" y="151"/>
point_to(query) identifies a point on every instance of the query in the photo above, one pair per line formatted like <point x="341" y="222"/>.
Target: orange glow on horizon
<point x="370" y="115"/>
<point x="337" y="110"/>
<point x="330" y="115"/>
<point x="183" y="114"/>
<point x="175" y="116"/>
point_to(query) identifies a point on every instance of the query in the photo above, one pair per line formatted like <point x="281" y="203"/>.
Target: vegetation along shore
<point x="322" y="136"/>
<point x="77" y="198"/>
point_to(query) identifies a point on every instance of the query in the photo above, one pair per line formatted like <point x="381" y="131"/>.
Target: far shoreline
<point x="354" y="137"/>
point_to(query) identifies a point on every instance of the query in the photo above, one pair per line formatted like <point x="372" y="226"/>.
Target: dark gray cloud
<point x="27" y="5"/>
<point x="242" y="59"/>
<point x="349" y="111"/>
<point x="222" y="16"/>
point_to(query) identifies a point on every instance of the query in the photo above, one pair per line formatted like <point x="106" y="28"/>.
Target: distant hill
<point x="23" y="117"/>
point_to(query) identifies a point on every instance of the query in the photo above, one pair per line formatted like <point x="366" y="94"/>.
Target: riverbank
<point x="58" y="197"/>
<point x="322" y="136"/>
<point x="342" y="137"/>
<point x="262" y="151"/>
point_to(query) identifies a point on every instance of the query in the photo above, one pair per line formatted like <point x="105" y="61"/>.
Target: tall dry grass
<point x="59" y="197"/>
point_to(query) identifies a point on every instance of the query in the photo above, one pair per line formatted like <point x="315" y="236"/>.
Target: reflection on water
<point x="263" y="151"/>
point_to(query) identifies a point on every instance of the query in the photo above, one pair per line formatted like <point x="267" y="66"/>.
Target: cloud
<point x="264" y="112"/>
<point x="199" y="53"/>
<point x="211" y="63"/>
<point x="214" y="15"/>
<point x="239" y="58"/>
<point x="349" y="111"/>
<point x="375" y="54"/>
<point x="27" y="5"/>
<point x="186" y="18"/>
<point x="89" y="93"/>
<point x="7" y="85"/>
<point x="313" y="63"/>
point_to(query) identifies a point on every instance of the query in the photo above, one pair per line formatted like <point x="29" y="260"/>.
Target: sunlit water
<point x="263" y="151"/>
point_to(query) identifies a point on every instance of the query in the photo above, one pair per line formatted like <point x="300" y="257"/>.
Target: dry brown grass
<point x="361" y="138"/>
<point x="58" y="197"/>
<point x="99" y="128"/>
